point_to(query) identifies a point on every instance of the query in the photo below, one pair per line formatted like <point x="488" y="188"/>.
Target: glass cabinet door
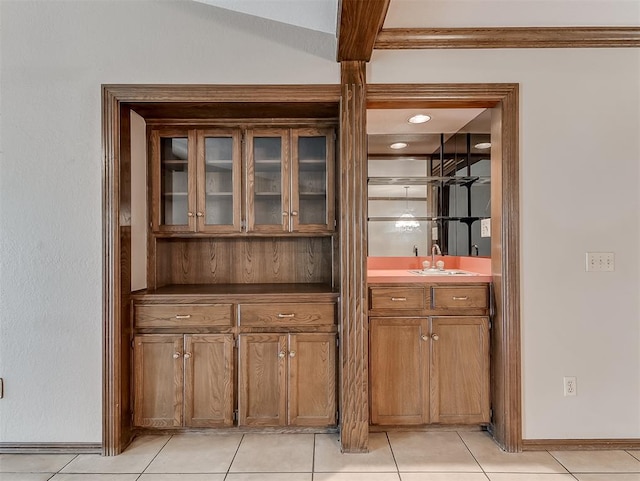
<point x="312" y="180"/>
<point x="173" y="179"/>
<point x="268" y="174"/>
<point x="219" y="181"/>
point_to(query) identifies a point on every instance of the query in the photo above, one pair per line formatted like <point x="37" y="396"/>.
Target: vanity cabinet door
<point x="459" y="369"/>
<point x="158" y="380"/>
<point x="399" y="370"/>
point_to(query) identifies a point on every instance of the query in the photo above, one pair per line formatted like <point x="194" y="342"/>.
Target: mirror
<point x="429" y="182"/>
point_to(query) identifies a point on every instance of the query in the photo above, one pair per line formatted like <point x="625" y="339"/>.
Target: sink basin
<point x="444" y="272"/>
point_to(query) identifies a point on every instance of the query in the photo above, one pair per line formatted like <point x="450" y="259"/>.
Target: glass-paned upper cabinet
<point x="219" y="181"/>
<point x="312" y="207"/>
<point x="172" y="179"/>
<point x="196" y="181"/>
<point x="290" y="180"/>
<point x="267" y="190"/>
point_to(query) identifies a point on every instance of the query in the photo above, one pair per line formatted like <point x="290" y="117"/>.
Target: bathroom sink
<point x="444" y="272"/>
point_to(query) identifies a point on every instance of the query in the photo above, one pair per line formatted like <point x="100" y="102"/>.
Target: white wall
<point x="580" y="191"/>
<point x="55" y="56"/>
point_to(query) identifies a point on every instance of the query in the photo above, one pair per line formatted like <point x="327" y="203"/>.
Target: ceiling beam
<point x="359" y="22"/>
<point x="508" y="37"/>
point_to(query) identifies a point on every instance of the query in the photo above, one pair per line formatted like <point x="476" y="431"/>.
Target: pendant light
<point x="407" y="221"/>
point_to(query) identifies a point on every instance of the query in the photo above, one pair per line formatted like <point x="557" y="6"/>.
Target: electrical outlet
<point x="485" y="228"/>
<point x="570" y="386"/>
<point x="600" y="261"/>
<point x="434" y="233"/>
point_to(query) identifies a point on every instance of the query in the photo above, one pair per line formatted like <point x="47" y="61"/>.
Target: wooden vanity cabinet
<point x="430" y="364"/>
<point x="183" y="380"/>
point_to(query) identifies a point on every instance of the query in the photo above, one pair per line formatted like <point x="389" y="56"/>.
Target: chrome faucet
<point x="415" y="250"/>
<point x="435" y="250"/>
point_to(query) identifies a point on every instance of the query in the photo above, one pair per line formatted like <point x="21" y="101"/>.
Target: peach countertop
<point x="396" y="269"/>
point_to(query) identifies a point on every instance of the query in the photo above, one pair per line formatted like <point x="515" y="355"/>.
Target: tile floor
<point x="397" y="456"/>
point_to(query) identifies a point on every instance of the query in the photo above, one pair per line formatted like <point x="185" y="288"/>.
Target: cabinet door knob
<point x="190" y="214"/>
<point x="187" y="355"/>
<point x="176" y="355"/>
<point x="435" y="337"/>
<point x="281" y="354"/>
<point x="425" y="337"/>
<point x="292" y="354"/>
<point x="285" y="214"/>
<point x="199" y="214"/>
<point x="294" y="213"/>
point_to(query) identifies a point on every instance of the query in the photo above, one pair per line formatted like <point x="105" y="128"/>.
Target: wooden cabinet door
<point x="268" y="180"/>
<point x="399" y="370"/>
<point x="173" y="180"/>
<point x="208" y="380"/>
<point x="262" y="389"/>
<point x="312" y="180"/>
<point x="219" y="177"/>
<point x="157" y="380"/>
<point x="312" y="379"/>
<point x="459" y="369"/>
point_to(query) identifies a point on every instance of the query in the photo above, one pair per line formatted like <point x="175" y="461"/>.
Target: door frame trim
<point x="503" y="99"/>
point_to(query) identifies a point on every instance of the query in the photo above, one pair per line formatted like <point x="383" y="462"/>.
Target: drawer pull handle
<point x="183" y="316"/>
<point x="398" y="298"/>
<point x="283" y="316"/>
<point x="176" y="355"/>
<point x="460" y="298"/>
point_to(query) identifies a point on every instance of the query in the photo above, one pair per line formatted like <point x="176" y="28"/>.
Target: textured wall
<point x="55" y="56"/>
<point x="580" y="176"/>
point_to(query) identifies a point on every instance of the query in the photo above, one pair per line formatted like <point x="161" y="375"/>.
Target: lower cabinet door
<point x="460" y="369"/>
<point x="208" y="380"/>
<point x="312" y="379"/>
<point x="399" y="370"/>
<point x="262" y="389"/>
<point x="158" y="380"/>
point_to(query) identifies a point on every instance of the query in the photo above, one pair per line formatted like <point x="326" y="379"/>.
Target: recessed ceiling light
<point x="483" y="145"/>
<point x="419" y="119"/>
<point x="398" y="145"/>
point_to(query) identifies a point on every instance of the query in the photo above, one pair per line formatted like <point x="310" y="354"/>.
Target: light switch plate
<point x="600" y="261"/>
<point x="434" y="233"/>
<point x="485" y="228"/>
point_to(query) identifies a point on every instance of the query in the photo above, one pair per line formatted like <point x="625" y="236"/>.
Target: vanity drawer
<point x="469" y="297"/>
<point x="287" y="314"/>
<point x="183" y="315"/>
<point x="396" y="298"/>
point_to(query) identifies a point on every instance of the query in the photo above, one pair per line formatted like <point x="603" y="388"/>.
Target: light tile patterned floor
<point x="397" y="456"/>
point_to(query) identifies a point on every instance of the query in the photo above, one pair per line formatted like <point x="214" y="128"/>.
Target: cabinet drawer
<point x="287" y="314"/>
<point x="182" y="315"/>
<point x="396" y="298"/>
<point x="469" y="297"/>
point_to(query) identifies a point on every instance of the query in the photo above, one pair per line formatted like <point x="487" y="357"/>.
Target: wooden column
<point x="354" y="398"/>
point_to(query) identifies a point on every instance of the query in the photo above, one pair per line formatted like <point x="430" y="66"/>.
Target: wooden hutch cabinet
<point x="238" y="323"/>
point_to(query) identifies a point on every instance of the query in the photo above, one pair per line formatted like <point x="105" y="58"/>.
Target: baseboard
<point x="578" y="444"/>
<point x="50" y="448"/>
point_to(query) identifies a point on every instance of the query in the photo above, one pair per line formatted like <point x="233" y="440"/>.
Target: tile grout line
<point x="156" y="455"/>
<point x="393" y="455"/>
<point x="560" y="463"/>
<point x="473" y="456"/>
<point x="234" y="457"/>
